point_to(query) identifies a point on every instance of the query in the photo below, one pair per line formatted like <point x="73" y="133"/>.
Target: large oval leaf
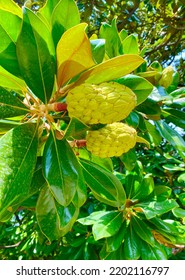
<point x="111" y="69"/>
<point x="10" y="105"/>
<point x="54" y="219"/>
<point x="73" y="53"/>
<point x="61" y="169"/>
<point x="18" y="152"/>
<point x="35" y="52"/>
<point x="103" y="184"/>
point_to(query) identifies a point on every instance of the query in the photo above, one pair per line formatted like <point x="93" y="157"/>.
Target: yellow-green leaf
<point x="111" y="69"/>
<point x="11" y="6"/>
<point x="73" y="53"/>
<point x="10" y="81"/>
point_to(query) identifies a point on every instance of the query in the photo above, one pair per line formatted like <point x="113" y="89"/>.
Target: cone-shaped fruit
<point x="112" y="140"/>
<point x="104" y="103"/>
<point x="167" y="77"/>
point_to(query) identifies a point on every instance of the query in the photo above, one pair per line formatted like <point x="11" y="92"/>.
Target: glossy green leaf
<point x="162" y="192"/>
<point x="154" y="208"/>
<point x="140" y="86"/>
<point x="156" y="252"/>
<point x="132" y="183"/>
<point x="61" y="169"/>
<point x="104" y="162"/>
<point x="10" y="105"/>
<point x="154" y="135"/>
<point x="175" y="116"/>
<point x="9" y="81"/>
<point x="129" y="159"/>
<point x="161" y="225"/>
<point x="111" y="69"/>
<point x="132" y="248"/>
<point x="9" y="36"/>
<point x="107" y="225"/>
<point x="115" y="241"/>
<point x="6" y="125"/>
<point x="35" y="52"/>
<point x="93" y="217"/>
<point x="61" y="21"/>
<point x="18" y="151"/>
<point x="179" y="212"/>
<point x="150" y="108"/>
<point x="130" y="45"/>
<point x="182" y="198"/>
<point x="54" y="219"/>
<point x="46" y="11"/>
<point x="172" y="136"/>
<point x="144" y="189"/>
<point x="75" y="129"/>
<point x="112" y="39"/>
<point x="142" y="230"/>
<point x="103" y="184"/>
<point x="98" y="49"/>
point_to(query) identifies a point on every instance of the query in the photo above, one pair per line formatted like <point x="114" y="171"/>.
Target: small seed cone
<point x="112" y="140"/>
<point x="104" y="103"/>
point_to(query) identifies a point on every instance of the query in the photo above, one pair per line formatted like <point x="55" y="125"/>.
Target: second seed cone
<point x="112" y="140"/>
<point x="104" y="103"/>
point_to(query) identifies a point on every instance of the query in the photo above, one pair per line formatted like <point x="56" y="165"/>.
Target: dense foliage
<point x="57" y="199"/>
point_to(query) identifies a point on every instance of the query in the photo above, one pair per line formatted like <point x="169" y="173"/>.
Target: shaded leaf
<point x="72" y="48"/>
<point x="35" y="52"/>
<point x="132" y="242"/>
<point x="142" y="230"/>
<point x="75" y="129"/>
<point x="6" y="125"/>
<point x="156" y="252"/>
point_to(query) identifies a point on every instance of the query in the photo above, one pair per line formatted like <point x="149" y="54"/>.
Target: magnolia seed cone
<point x="104" y="103"/>
<point x="112" y="140"/>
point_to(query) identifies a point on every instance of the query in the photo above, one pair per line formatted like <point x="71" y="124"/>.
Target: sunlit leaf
<point x="73" y="53"/>
<point x="9" y="36"/>
<point x="61" y="21"/>
<point x="111" y="69"/>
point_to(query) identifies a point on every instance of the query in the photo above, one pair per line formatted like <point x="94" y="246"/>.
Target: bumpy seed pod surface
<point x="112" y="140"/>
<point x="104" y="103"/>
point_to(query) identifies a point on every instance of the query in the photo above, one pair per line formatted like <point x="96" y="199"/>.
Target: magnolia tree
<point x="79" y="119"/>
